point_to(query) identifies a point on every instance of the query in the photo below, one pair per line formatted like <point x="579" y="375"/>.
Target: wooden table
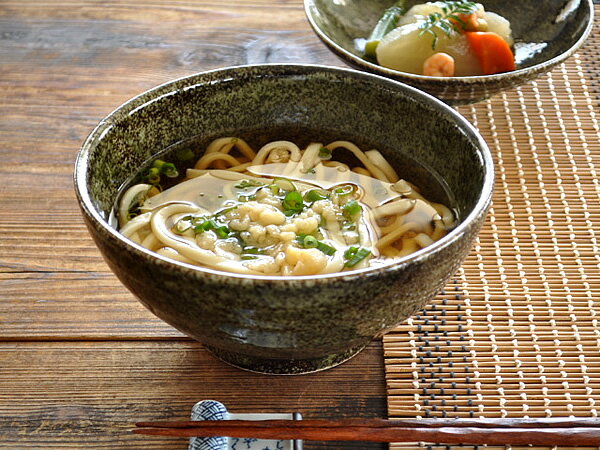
<point x="80" y="358"/>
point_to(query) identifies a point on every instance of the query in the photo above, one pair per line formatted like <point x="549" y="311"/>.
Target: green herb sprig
<point x="449" y="20"/>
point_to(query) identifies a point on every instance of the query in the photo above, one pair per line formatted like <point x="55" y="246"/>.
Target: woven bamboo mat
<point x="516" y="333"/>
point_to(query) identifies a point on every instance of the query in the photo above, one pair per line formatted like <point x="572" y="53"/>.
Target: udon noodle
<point x="284" y="211"/>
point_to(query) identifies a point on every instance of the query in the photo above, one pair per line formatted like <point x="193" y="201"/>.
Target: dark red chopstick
<point x="552" y="431"/>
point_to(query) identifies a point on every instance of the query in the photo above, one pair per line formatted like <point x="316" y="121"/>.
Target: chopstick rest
<point x="209" y="410"/>
<point x="212" y="410"/>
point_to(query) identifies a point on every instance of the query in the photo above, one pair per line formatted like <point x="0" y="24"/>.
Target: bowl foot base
<point x="284" y="366"/>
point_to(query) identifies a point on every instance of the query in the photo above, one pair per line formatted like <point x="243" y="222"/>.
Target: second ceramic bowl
<point x="546" y="33"/>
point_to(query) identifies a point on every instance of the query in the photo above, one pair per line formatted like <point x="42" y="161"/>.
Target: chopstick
<point x="550" y="431"/>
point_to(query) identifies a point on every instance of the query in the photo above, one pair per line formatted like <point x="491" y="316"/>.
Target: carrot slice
<point x="492" y="52"/>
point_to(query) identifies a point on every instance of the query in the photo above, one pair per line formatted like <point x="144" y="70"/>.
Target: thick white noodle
<point x="335" y="263"/>
<point x="339" y="165"/>
<point x="128" y="199"/>
<point x="423" y="240"/>
<point x="409" y="245"/>
<point x="402" y="187"/>
<point x="390" y="238"/>
<point x="377" y="158"/>
<point x="151" y="242"/>
<point x="377" y="172"/>
<point x="401" y="206"/>
<point x="396" y="221"/>
<point x="333" y="229"/>
<point x="439" y="229"/>
<point x="361" y="171"/>
<point x="185" y="247"/>
<point x="222" y="174"/>
<point x="445" y="214"/>
<point x="173" y="254"/>
<point x="224" y="145"/>
<point x="366" y="233"/>
<point x="135" y="224"/>
<point x="310" y="157"/>
<point x="209" y="158"/>
<point x="261" y="156"/>
<point x="153" y="229"/>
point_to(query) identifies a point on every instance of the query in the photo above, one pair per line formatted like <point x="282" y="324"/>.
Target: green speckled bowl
<point x="340" y="22"/>
<point x="274" y="324"/>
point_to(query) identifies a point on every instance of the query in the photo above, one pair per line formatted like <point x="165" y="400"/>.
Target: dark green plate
<point x="546" y="33"/>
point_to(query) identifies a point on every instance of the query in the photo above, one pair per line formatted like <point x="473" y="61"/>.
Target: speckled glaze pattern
<point x="338" y="24"/>
<point x="273" y="324"/>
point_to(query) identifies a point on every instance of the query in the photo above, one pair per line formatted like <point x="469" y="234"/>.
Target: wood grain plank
<point x="50" y="305"/>
<point x="66" y="379"/>
<point x="87" y="395"/>
<point x="42" y="230"/>
<point x="67" y="64"/>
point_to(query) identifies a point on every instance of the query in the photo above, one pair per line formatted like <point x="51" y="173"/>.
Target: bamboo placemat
<point x="516" y="333"/>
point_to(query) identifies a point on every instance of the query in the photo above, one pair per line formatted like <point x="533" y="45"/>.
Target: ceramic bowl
<point x="546" y="33"/>
<point x="277" y="324"/>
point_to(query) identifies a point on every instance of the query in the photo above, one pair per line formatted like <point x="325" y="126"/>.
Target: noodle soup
<point x="281" y="209"/>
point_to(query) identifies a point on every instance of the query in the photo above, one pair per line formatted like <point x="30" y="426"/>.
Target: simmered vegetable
<point x="492" y="52"/>
<point x="442" y="39"/>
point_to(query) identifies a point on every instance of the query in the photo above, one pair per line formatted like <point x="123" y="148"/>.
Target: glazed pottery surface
<point x="546" y="32"/>
<point x="295" y="324"/>
<point x="214" y="410"/>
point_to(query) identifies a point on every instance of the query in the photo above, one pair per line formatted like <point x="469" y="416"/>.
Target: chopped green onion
<point x="253" y="251"/>
<point x="308" y="241"/>
<point x="354" y="255"/>
<point x="322" y="222"/>
<point x="202" y="224"/>
<point x="274" y="189"/>
<point x="349" y="226"/>
<point x="352" y="209"/>
<point x="246" y="198"/>
<point x="165" y="168"/>
<point x="222" y="231"/>
<point x="292" y="202"/>
<point x="153" y="176"/>
<point x="344" y="190"/>
<point x="248" y="183"/>
<point x="169" y="170"/>
<point x="284" y="184"/>
<point x="225" y="211"/>
<point x="248" y="257"/>
<point x="324" y="153"/>
<point x="327" y="249"/>
<point x="134" y="207"/>
<point x="185" y="154"/>
<point x="207" y="225"/>
<point x="314" y="195"/>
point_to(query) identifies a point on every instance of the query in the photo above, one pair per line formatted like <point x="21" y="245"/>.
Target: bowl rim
<point x="387" y="72"/>
<point x="286" y="69"/>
